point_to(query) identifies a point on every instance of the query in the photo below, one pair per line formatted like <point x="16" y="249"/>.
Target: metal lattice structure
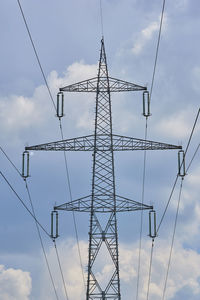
<point x="103" y="203"/>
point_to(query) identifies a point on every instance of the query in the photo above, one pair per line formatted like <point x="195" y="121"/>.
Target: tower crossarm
<point x="115" y="85"/>
<point x="86" y="143"/>
<point x="103" y="204"/>
<point x="124" y="143"/>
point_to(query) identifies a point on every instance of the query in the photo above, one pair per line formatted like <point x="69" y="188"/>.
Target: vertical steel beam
<point x="103" y="182"/>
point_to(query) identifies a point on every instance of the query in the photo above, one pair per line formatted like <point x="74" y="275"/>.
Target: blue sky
<point x="67" y="37"/>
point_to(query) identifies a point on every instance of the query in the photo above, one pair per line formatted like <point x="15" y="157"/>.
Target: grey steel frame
<point x="103" y="202"/>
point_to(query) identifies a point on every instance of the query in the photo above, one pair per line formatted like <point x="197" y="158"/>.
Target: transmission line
<point x="63" y="280"/>
<point x="50" y="94"/>
<point x="144" y="168"/>
<point x="150" y="268"/>
<point x="37" y="225"/>
<point x="36" y="54"/>
<point x="73" y="213"/>
<point x="22" y="202"/>
<point x="191" y="161"/>
<point x="141" y="216"/>
<point x="38" y="230"/>
<point x="157" y="49"/>
<point x="172" y="191"/>
<point x="193" y="128"/>
<point x="41" y="242"/>
<point x="10" y="161"/>
<point x="174" y="185"/>
<point x="173" y="238"/>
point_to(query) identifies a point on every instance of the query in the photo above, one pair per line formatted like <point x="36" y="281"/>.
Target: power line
<point x="22" y="202"/>
<point x="39" y="63"/>
<point x="144" y="170"/>
<point x="41" y="242"/>
<point x="157" y="48"/>
<point x="141" y="217"/>
<point x="38" y="230"/>
<point x="191" y="161"/>
<point x="163" y="215"/>
<point x="73" y="213"/>
<point x="63" y="280"/>
<point x="173" y="238"/>
<point x="36" y="54"/>
<point x="192" y="132"/>
<point x="175" y="182"/>
<point x="174" y="185"/>
<point x="150" y="268"/>
<point x="10" y="161"/>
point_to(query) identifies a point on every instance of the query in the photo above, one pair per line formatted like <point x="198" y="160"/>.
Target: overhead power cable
<point x="36" y="54"/>
<point x="10" y="161"/>
<point x="193" y="157"/>
<point x="22" y="202"/>
<point x="157" y="48"/>
<point x="63" y="280"/>
<point x="141" y="216"/>
<point x="175" y="182"/>
<point x="50" y="94"/>
<point x="176" y="179"/>
<point x="37" y="226"/>
<point x="73" y="213"/>
<point x="150" y="268"/>
<point x="173" y="238"/>
<point x="193" y="128"/>
<point x="144" y="170"/>
<point x="41" y="242"/>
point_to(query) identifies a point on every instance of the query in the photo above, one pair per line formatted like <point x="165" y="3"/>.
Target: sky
<point x="67" y="37"/>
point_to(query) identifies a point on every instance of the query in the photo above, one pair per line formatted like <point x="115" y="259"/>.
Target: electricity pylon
<point x="103" y="203"/>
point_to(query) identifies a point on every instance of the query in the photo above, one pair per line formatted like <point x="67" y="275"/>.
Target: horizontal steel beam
<point x="103" y="204"/>
<point x="103" y="143"/>
<point x="115" y="85"/>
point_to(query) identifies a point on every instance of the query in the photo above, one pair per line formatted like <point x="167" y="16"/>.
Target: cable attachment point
<point x="60" y="105"/>
<point x="152" y="224"/>
<point x="181" y="163"/>
<point x="25" y="164"/>
<point x="54" y="224"/>
<point x="146" y="104"/>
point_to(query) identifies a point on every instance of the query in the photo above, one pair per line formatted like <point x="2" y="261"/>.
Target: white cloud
<point x="15" y="284"/>
<point x="146" y="34"/>
<point x="177" y="125"/>
<point x="70" y="262"/>
<point x="184" y="270"/>
<point x="19" y="114"/>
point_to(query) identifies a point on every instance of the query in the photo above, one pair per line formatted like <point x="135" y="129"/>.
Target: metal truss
<point x="103" y="202"/>
<point x="115" y="85"/>
<point x="86" y="143"/>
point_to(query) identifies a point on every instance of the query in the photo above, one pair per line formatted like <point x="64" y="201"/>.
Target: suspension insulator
<point x="25" y="164"/>
<point x="152" y="224"/>
<point x="54" y="224"/>
<point x="181" y="163"/>
<point x="60" y="105"/>
<point x="146" y="104"/>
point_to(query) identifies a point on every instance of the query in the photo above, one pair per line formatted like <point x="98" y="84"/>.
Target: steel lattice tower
<point x="103" y="203"/>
